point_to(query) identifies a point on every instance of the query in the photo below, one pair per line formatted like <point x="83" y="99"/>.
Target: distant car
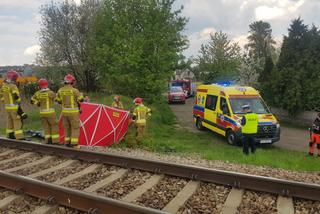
<point x="176" y="95"/>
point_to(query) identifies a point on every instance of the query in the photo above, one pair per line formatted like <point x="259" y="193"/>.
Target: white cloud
<point x="241" y="40"/>
<point x="19" y="28"/>
<point x="267" y="13"/>
<point x="78" y="2"/>
<point x="32" y="51"/>
<point x="274" y="9"/>
<point x="198" y="38"/>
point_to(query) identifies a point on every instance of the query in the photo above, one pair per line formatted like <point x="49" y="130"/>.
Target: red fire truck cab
<point x="187" y="85"/>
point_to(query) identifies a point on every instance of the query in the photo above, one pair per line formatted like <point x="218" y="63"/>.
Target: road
<point x="291" y="138"/>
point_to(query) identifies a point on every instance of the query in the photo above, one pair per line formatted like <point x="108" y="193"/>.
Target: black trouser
<point x="248" y="141"/>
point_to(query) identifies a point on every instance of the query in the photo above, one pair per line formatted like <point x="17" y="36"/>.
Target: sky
<point x="20" y="22"/>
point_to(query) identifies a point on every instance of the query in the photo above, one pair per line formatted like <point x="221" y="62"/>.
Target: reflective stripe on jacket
<point x="10" y="96"/>
<point x="45" y="100"/>
<point x="251" y="124"/>
<point x="69" y="98"/>
<point x="141" y="112"/>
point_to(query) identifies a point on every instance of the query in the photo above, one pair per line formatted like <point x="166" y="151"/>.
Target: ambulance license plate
<point x="265" y="141"/>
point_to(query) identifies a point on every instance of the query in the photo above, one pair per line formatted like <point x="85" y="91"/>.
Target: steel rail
<point x="69" y="197"/>
<point x="234" y="179"/>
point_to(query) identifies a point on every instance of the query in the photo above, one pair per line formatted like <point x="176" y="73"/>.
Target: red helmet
<point x="69" y="78"/>
<point x="43" y="83"/>
<point x="138" y="101"/>
<point x="12" y="75"/>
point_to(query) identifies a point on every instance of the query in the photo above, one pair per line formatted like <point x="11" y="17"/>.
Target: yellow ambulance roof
<point x="229" y="90"/>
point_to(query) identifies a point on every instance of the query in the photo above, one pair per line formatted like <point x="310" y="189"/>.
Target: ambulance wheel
<point x="231" y="138"/>
<point x="199" y="124"/>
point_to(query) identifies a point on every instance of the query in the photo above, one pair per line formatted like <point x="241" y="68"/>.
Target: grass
<point x="168" y="137"/>
<point x="164" y="135"/>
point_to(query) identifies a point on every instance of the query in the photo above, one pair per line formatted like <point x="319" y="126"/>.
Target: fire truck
<point x="188" y="86"/>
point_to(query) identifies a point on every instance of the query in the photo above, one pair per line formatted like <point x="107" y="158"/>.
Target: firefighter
<point x="11" y="97"/>
<point x="117" y="103"/>
<point x="70" y="99"/>
<point x="140" y="115"/>
<point x="249" y="124"/>
<point x="44" y="98"/>
<point x="315" y="136"/>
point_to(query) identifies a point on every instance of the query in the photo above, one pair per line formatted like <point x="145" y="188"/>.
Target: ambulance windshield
<point x="256" y="104"/>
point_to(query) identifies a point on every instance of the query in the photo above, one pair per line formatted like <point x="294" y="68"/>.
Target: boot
<point x="11" y="135"/>
<point x="49" y="141"/>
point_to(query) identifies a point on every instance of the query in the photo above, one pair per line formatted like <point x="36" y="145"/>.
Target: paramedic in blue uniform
<point x="249" y="125"/>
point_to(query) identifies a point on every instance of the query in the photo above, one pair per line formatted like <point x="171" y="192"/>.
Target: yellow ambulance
<point x="218" y="107"/>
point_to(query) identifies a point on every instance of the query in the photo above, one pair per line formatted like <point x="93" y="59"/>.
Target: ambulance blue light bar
<point x="224" y="83"/>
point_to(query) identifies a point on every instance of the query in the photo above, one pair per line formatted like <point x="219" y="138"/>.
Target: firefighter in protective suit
<point x="11" y="97"/>
<point x="44" y="98"/>
<point x="249" y="124"/>
<point x="70" y="99"/>
<point x="315" y="136"/>
<point x="117" y="103"/>
<point x="140" y="115"/>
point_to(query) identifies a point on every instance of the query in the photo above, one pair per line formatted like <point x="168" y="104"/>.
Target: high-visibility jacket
<point x="250" y="123"/>
<point x="117" y="105"/>
<point x="10" y="96"/>
<point x="69" y="98"/>
<point x="44" y="98"/>
<point x="140" y="113"/>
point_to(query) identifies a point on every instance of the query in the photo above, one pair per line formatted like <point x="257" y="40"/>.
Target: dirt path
<point x="291" y="138"/>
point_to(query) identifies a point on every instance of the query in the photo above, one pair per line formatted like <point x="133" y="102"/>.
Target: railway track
<point x="37" y="178"/>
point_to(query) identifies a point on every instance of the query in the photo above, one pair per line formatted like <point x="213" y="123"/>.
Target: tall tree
<point x="219" y="58"/>
<point x="138" y="45"/>
<point x="250" y="69"/>
<point x="296" y="79"/>
<point x="260" y="41"/>
<point x="294" y="44"/>
<point x="64" y="39"/>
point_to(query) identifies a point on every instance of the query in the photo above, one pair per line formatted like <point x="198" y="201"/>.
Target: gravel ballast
<point x="53" y="176"/>
<point x="4" y="193"/>
<point x="161" y="194"/>
<point x="209" y="198"/>
<point x="25" y="205"/>
<point x="91" y="178"/>
<point x="124" y="185"/>
<point x="257" y="203"/>
<point x="3" y="149"/>
<point x="30" y="170"/>
<point x="66" y="210"/>
<point x="11" y="155"/>
<point x="302" y="206"/>
<point x="308" y="177"/>
<point x="20" y="162"/>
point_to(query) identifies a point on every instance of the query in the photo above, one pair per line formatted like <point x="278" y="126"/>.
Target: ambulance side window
<point x="224" y="106"/>
<point x="211" y="102"/>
